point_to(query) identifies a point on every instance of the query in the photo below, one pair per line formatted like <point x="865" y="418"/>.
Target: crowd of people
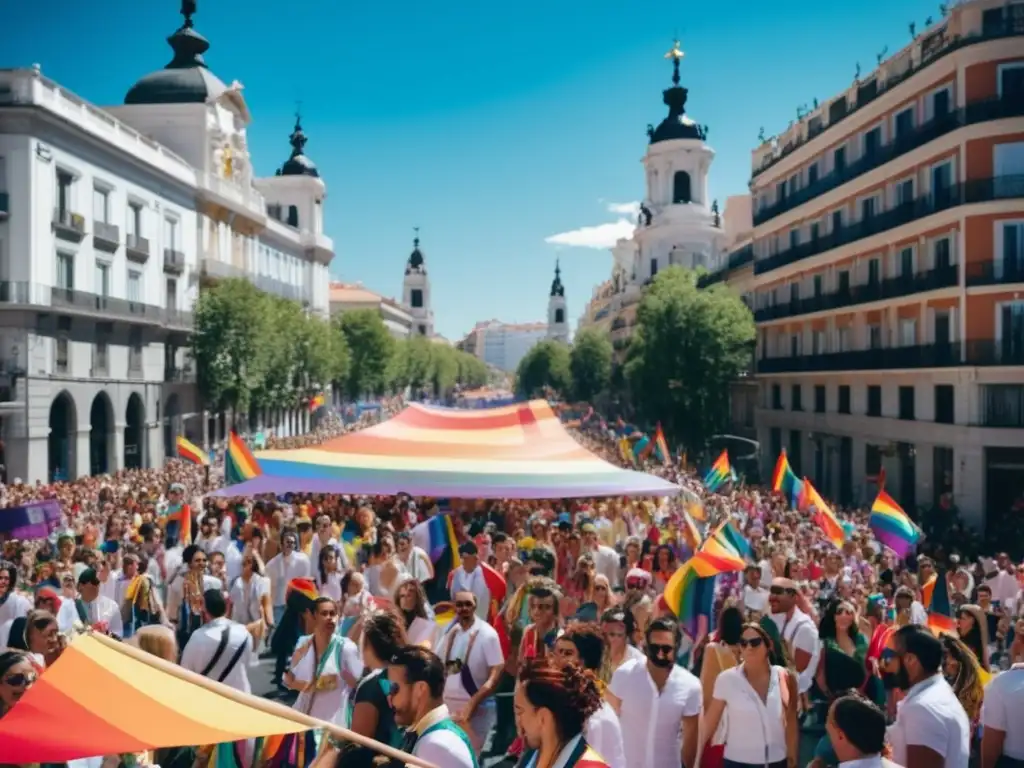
<point x="582" y="664"/>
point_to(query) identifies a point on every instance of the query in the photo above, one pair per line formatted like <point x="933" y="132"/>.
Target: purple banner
<point x="31" y="521"/>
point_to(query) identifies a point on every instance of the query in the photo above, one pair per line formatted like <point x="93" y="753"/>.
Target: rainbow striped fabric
<point x="720" y="472"/>
<point x="891" y="525"/>
<point x="239" y="463"/>
<point x="824" y="516"/>
<point x="785" y="481"/>
<point x="109" y="698"/>
<point x="518" y="451"/>
<point x="661" y="446"/>
<point x="690" y="592"/>
<point x="189" y="451"/>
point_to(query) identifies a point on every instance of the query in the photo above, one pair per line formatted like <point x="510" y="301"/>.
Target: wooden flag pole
<point x="264" y="705"/>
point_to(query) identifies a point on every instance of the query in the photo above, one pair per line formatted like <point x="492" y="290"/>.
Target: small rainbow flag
<point x="317" y="402"/>
<point x="305" y="587"/>
<point x="661" y="445"/>
<point x="191" y="452"/>
<point x="785" y="481"/>
<point x="239" y="463"/>
<point x="715" y="557"/>
<point x="940" y="609"/>
<point x="720" y="472"/>
<point x="731" y="536"/>
<point x="690" y="596"/>
<point x="824" y="516"/>
<point x="891" y="525"/>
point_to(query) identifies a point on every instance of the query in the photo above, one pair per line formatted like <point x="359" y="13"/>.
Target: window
<point x="874" y="271"/>
<point x="172" y="293"/>
<point x="794" y="293"/>
<point x="839" y="159"/>
<point x="780" y="191"/>
<point x="794" y="345"/>
<point x="872" y="460"/>
<point x="134" y="223"/>
<point x="940" y="104"/>
<point x="843" y="339"/>
<point x="844" y="398"/>
<point x="134" y="286"/>
<point x="943" y="327"/>
<point x="100" y="205"/>
<point x="867" y="208"/>
<point x="905" y="192"/>
<point x="907" y="403"/>
<point x="794" y="238"/>
<point x="843" y="282"/>
<point x="815" y="230"/>
<point x="423" y="330"/>
<point x="1002" y="405"/>
<point x="904" y="124"/>
<point x="945" y="411"/>
<point x="681" y="187"/>
<point x="819" y="285"/>
<point x="102" y="286"/>
<point x="837" y="221"/>
<point x="135" y="350"/>
<point x="874" y="400"/>
<point x="942" y="179"/>
<point x="1010" y="329"/>
<point x="171" y="234"/>
<point x="293" y="216"/>
<point x="1011" y="81"/>
<point x="796" y="451"/>
<point x="941" y="254"/>
<point x="62" y="352"/>
<point x="64" y="182"/>
<point x="775" y="440"/>
<point x="872" y="141"/>
<point x="818" y="342"/>
<point x="874" y="336"/>
<point x="776" y="397"/>
<point x="908" y="332"/>
<point x="796" y="401"/>
<point x="416" y="298"/>
<point x="819" y="398"/>
<point x="812" y="174"/>
<point x="1010" y="261"/>
<point x="907" y="263"/>
<point x="559" y="316"/>
<point x="65" y="271"/>
<point x="654" y="267"/>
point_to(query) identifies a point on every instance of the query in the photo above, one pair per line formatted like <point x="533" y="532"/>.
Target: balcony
<point x="976" y="191"/>
<point x="69" y="226"/>
<point x="18" y="294"/>
<point x="736" y="259"/>
<point x="240" y="197"/>
<point x="890" y="288"/>
<point x="885" y="359"/>
<point x="174" y="261"/>
<point x="178" y="319"/>
<point x="106" y="237"/>
<point x="221" y="270"/>
<point x="136" y="248"/>
<point x="992" y="352"/>
<point x="1009" y="26"/>
<point x="995" y="272"/>
<point x="978" y="112"/>
<point x="5" y="206"/>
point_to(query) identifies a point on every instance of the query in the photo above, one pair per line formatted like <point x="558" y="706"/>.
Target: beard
<point x="896" y="680"/>
<point x="661" y="661"/>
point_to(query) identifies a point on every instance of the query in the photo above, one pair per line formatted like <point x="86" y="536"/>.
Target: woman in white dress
<point x="420" y="628"/>
<point x="250" y="598"/>
<point x="328" y="572"/>
<point x="12" y="605"/>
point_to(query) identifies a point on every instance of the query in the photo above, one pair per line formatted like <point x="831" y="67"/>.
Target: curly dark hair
<point x="570" y="693"/>
<point x="384" y="633"/>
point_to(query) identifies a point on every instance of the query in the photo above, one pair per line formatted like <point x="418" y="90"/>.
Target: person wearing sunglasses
<point x="760" y="700"/>
<point x="17" y="674"/>
<point x="658" y="702"/>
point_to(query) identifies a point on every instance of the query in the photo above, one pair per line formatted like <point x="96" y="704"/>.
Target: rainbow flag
<point x="690" y="596"/>
<point x="178" y="526"/>
<point x="317" y="402"/>
<point x="239" y="463"/>
<point x="731" y="536"/>
<point x="940" y="609"/>
<point x="191" y="452"/>
<point x="785" y="481"/>
<point x="720" y="472"/>
<point x="717" y="556"/>
<point x="442" y="538"/>
<point x="891" y="525"/>
<point x="690" y="532"/>
<point x="824" y="516"/>
<point x="661" y="450"/>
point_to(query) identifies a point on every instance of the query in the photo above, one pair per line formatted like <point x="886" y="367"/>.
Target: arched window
<point x="293" y="215"/>
<point x="559" y="316"/>
<point x="681" y="187"/>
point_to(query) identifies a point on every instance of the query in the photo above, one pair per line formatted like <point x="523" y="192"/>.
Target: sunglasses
<point x="661" y="650"/>
<point x="20" y="680"/>
<point x="781" y="591"/>
<point x="751" y="642"/>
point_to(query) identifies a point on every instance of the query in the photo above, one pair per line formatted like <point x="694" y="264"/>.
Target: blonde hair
<point x="156" y="640"/>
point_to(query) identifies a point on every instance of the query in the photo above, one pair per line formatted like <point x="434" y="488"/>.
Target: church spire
<point x="676" y="125"/>
<point x="557" y="289"/>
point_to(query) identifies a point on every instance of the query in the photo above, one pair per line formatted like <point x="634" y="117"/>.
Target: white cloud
<point x="625" y="209"/>
<point x="601" y="236"/>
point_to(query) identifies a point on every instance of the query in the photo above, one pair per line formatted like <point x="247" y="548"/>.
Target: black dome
<point x="416" y="261"/>
<point x="185" y="80"/>
<point x="677" y="125"/>
<point x="298" y="164"/>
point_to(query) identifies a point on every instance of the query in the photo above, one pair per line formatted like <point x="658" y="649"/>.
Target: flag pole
<point x="264" y="705"/>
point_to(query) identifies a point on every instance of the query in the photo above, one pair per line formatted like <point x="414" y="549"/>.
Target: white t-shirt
<point x="245" y="598"/>
<point x="441" y="746"/>
<point x="423" y="632"/>
<point x="755" y="599"/>
<point x="280" y="571"/>
<point x="1004" y="695"/>
<point x="932" y="716"/>
<point x="202" y="647"/>
<point x="652" y="723"/>
<point x="800" y="634"/>
<point x="102" y="609"/>
<point x="751" y="723"/>
<point x="604" y="733"/>
<point x="14" y="607"/>
<point x="486" y="653"/>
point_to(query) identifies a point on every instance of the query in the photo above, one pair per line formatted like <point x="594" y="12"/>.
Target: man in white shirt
<point x="797" y="630"/>
<point x="91" y="608"/>
<point x="417" y="679"/>
<point x="856" y="730"/>
<point x="469" y="577"/>
<point x="931" y="728"/>
<point x="415" y="561"/>
<point x="658" y="703"/>
<point x="1001" y="740"/>
<point x="909" y="608"/>
<point x="473" y="660"/>
<point x="606" y="559"/>
<point x="1001" y="580"/>
<point x="323" y="538"/>
<point x="286" y="565"/>
<point x="582" y="644"/>
<point x="755" y="597"/>
<point x="221" y="648"/>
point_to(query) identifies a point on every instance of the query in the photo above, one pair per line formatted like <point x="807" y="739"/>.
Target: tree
<point x="688" y="347"/>
<point x="545" y="365"/>
<point x="229" y="343"/>
<point x="590" y="362"/>
<point x="371" y="350"/>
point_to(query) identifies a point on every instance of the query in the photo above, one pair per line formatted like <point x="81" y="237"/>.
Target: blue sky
<point x="491" y="126"/>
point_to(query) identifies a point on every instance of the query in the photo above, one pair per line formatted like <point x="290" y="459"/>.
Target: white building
<point x="558" y="320"/>
<point x="503" y="345"/>
<point x="416" y="292"/>
<point x="109" y="218"/>
<point x="348" y="297"/>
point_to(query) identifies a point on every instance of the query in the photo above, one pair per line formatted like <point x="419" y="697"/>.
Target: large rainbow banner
<point x="517" y="451"/>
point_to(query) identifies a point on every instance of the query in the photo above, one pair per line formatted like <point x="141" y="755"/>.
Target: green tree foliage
<point x="371" y="349"/>
<point x="434" y="369"/>
<point x="590" y="362"/>
<point x="545" y="365"/>
<point x="688" y="347"/>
